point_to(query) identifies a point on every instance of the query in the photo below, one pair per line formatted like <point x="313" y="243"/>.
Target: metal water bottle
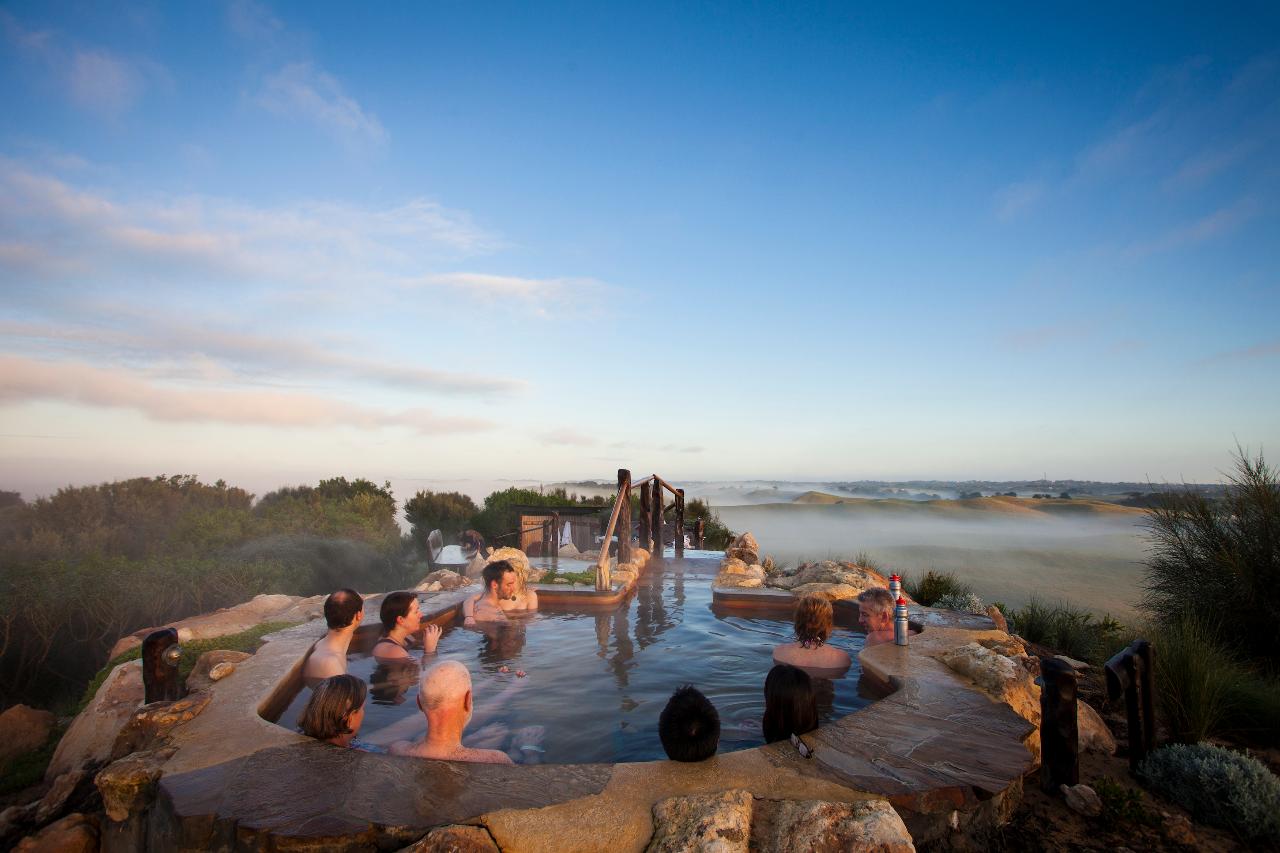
<point x="900" y="622"/>
<point x="895" y="586"/>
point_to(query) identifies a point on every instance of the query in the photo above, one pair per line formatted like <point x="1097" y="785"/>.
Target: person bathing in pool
<point x="501" y="595"/>
<point x="401" y="618"/>
<point x="813" y="628"/>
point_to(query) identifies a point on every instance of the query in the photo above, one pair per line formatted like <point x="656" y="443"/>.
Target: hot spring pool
<point x="597" y="681"/>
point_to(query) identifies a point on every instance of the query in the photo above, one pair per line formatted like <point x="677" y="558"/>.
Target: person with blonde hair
<point x="335" y="711"/>
<point x="812" y="622"/>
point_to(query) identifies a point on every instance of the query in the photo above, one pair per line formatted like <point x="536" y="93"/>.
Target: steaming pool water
<point x="596" y="681"/>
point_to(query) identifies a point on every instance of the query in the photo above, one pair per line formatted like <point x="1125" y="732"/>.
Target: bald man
<point x="444" y="695"/>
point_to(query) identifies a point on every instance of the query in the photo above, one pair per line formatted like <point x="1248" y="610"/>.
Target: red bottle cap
<point x="902" y="601"/>
<point x="894" y="578"/>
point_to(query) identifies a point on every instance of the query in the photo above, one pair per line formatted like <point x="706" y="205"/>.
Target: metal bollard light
<point x="160" y="657"/>
<point x="900" y="625"/>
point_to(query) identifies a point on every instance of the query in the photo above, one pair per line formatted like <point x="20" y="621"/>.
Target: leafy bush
<point x="1218" y="786"/>
<point x="963" y="602"/>
<point x="933" y="586"/>
<point x="1121" y="804"/>
<point x="1073" y="631"/>
<point x="717" y="535"/>
<point x="449" y="512"/>
<point x="498" y="518"/>
<point x="1219" y="561"/>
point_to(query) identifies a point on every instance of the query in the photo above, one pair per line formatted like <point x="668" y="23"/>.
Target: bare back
<point x="422" y="749"/>
<point x="822" y="657"/>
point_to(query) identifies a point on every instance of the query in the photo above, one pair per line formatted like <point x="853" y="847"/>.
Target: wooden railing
<point x="650" y="522"/>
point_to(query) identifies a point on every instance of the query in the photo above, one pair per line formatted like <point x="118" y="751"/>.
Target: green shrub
<point x="1073" y="631"/>
<point x="1194" y="678"/>
<point x="587" y="576"/>
<point x="933" y="586"/>
<point x="1122" y="805"/>
<point x="716" y="535"/>
<point x="1218" y="786"/>
<point x="449" y="512"/>
<point x="1219" y="561"/>
<point x="963" y="602"/>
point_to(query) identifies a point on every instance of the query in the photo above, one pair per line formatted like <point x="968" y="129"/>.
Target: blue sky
<point x="276" y="242"/>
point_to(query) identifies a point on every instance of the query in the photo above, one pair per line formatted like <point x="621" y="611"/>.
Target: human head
<point x="813" y="620"/>
<point x="790" y="706"/>
<point x="471" y="541"/>
<point x="400" y="606"/>
<point x="496" y="576"/>
<point x="445" y="688"/>
<point x="336" y="708"/>
<point x="689" y="727"/>
<point x="342" y="608"/>
<point x="875" y="609"/>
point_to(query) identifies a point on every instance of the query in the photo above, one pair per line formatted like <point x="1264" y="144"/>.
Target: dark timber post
<point x="555" y="538"/>
<point x="1129" y="673"/>
<point x="624" y="517"/>
<point x="1059" y="728"/>
<point x="645" y="515"/>
<point x="160" y="656"/>
<point x="1146" y="654"/>
<point x="679" y="524"/>
<point x="700" y="533"/>
<point x="655" y="527"/>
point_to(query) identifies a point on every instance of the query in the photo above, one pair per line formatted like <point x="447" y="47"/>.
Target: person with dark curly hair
<point x="335" y="710"/>
<point x="813" y="621"/>
<point x="689" y="727"/>
<point x="790" y="705"/>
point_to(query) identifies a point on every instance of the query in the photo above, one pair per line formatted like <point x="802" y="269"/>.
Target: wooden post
<point x="700" y="533"/>
<point x="1059" y="728"/>
<point x="1145" y="653"/>
<point x="679" y="524"/>
<point x="646" y="515"/>
<point x="655" y="526"/>
<point x="624" y="517"/>
<point x="160" y="656"/>
<point x="555" y="539"/>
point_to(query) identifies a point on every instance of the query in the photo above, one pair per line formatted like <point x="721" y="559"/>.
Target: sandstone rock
<point x="129" y="785"/>
<point x="302" y="610"/>
<point x="999" y="677"/>
<point x="640" y="556"/>
<point x="747" y="541"/>
<point x="832" y="591"/>
<point x="229" y="620"/>
<point x="1094" y="736"/>
<point x="94" y="731"/>
<point x="1008" y="646"/>
<point x="152" y="723"/>
<point x="221" y="670"/>
<point x="1082" y="799"/>
<point x="746" y="555"/>
<point x="997" y="617"/>
<point x="23" y="729"/>
<point x="201" y="676"/>
<point x="822" y="827"/>
<point x="733" y="566"/>
<point x="1178" y="829"/>
<point x="785" y="581"/>
<point x="441" y="579"/>
<point x="518" y="559"/>
<point x="456" y="838"/>
<point x="568" y="549"/>
<point x="732" y="581"/>
<point x="851" y="574"/>
<point x="75" y="833"/>
<point x="715" y="823"/>
<point x="534" y="575"/>
<point x="14" y="822"/>
<point x="55" y="799"/>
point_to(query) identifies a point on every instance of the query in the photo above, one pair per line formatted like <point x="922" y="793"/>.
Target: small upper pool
<point x="596" y="681"/>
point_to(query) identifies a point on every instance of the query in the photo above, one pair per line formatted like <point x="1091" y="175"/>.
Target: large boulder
<point x="518" y="559"/>
<point x="23" y="729"/>
<point x="442" y="579"/>
<point x="75" y="833"/>
<point x="714" y="823"/>
<point x="744" y="548"/>
<point x="129" y="785"/>
<point x="817" y="826"/>
<point x="93" y="732"/>
<point x="1094" y="736"/>
<point x="68" y="788"/>
<point x="738" y="575"/>
<point x="202" y="674"/>
<point x="152" y="723"/>
<point x="843" y="573"/>
<point x="830" y="591"/>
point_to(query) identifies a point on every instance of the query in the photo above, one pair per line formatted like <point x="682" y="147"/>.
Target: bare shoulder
<point x="487" y="756"/>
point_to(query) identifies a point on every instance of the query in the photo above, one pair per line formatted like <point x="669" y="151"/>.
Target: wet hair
<point x="689" y="727"/>
<point x="395" y="605"/>
<point x="813" y="620"/>
<point x="790" y="705"/>
<point x="494" y="572"/>
<point x="341" y="607"/>
<point x="331" y="703"/>
<point x="877" y="600"/>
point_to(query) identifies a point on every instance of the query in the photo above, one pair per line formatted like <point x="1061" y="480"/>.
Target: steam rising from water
<point x="1095" y="561"/>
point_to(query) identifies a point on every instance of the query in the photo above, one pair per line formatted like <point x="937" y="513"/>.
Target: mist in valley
<point x="1089" y="560"/>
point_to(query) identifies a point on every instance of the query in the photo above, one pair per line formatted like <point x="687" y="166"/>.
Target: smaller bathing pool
<point x="596" y="681"/>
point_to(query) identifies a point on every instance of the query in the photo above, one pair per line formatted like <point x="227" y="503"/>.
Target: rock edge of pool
<point x="946" y="752"/>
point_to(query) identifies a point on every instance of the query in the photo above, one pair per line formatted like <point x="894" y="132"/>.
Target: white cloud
<point x="253" y="21"/>
<point x="303" y="90"/>
<point x="24" y="380"/>
<point x="506" y="286"/>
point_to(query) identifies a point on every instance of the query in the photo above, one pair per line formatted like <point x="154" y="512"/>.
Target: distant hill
<point x="1002" y="505"/>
